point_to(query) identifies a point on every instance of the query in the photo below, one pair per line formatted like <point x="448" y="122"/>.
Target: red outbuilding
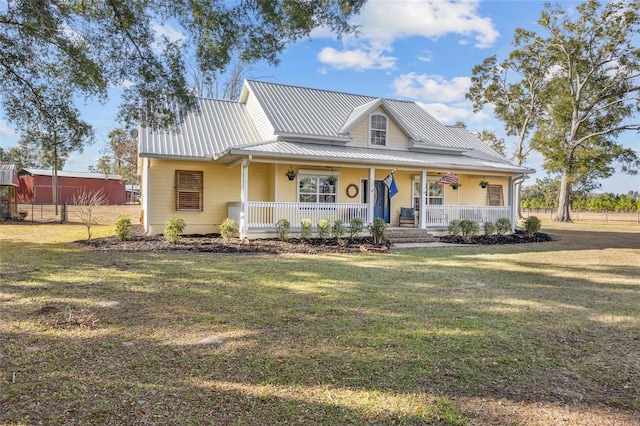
<point x="35" y="186"/>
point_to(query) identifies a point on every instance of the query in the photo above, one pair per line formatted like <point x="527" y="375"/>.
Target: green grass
<point x="534" y="334"/>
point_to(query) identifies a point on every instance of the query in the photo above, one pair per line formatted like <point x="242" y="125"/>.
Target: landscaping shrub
<point x="489" y="228"/>
<point x="324" y="228"/>
<point x="338" y="229"/>
<point x="228" y="229"/>
<point x="454" y="228"/>
<point x="378" y="230"/>
<point x="357" y="225"/>
<point x="173" y="229"/>
<point x="503" y="226"/>
<point x="531" y="226"/>
<point x="123" y="227"/>
<point x="306" y="229"/>
<point x="469" y="228"/>
<point x="22" y="214"/>
<point x="282" y="229"/>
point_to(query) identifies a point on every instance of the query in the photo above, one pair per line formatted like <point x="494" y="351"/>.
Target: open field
<point x="536" y="334"/>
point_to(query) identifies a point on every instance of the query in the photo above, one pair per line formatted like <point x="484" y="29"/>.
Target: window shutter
<point x="189" y="190"/>
<point x="494" y="195"/>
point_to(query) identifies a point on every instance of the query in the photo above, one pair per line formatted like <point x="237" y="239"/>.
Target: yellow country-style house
<point x="287" y="152"/>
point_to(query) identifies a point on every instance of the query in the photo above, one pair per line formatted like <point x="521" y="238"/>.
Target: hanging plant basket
<point x="456" y="185"/>
<point x="483" y="183"/>
<point x="331" y="180"/>
<point x="291" y="174"/>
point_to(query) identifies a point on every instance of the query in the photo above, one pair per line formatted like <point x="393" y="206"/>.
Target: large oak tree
<point x="588" y="94"/>
<point x="84" y="47"/>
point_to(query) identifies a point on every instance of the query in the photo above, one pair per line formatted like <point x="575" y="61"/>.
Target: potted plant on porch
<point x="483" y="184"/>
<point x="331" y="180"/>
<point x="291" y="174"/>
<point x="456" y="185"/>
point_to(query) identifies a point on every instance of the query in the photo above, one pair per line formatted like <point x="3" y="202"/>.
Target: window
<point x="316" y="189"/>
<point x="188" y="190"/>
<point x="435" y="194"/>
<point x="378" y="127"/>
<point x="494" y="195"/>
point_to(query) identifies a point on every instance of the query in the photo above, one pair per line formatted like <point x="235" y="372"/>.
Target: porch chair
<point x="407" y="217"/>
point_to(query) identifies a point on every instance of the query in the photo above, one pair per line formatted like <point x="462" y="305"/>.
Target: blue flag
<point x="391" y="184"/>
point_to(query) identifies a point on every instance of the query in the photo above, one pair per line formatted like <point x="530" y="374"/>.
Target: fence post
<point x="63" y="214"/>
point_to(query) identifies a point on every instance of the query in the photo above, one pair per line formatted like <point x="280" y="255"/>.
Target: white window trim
<point x="319" y="174"/>
<point x="386" y="132"/>
<point x="416" y="179"/>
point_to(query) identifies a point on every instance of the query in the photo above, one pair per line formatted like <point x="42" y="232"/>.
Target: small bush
<point x="454" y="228"/>
<point x="503" y="226"/>
<point x="378" y="230"/>
<point x="22" y="214"/>
<point x="489" y="228"/>
<point x="282" y="229"/>
<point x="173" y="229"/>
<point x="123" y="227"/>
<point x="228" y="229"/>
<point x="357" y="225"/>
<point x="531" y="226"/>
<point x="469" y="228"/>
<point x="338" y="229"/>
<point x="306" y="229"/>
<point x="324" y="228"/>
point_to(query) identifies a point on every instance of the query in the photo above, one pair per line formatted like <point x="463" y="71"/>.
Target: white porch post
<point x="244" y="198"/>
<point x="371" y="196"/>
<point x="512" y="198"/>
<point x="423" y="200"/>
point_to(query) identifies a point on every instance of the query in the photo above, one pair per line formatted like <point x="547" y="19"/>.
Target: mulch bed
<point x="213" y="243"/>
<point x="517" y="238"/>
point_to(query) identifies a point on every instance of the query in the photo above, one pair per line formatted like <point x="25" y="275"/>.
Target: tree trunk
<point x="564" y="199"/>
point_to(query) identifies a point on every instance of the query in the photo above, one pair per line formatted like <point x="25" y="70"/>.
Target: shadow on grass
<point x="338" y="340"/>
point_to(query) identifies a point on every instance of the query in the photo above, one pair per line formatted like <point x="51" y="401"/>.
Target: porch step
<point x="410" y="235"/>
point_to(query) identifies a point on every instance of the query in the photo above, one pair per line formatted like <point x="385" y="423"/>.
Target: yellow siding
<point x="221" y="185"/>
<point x="471" y="194"/>
<point x="396" y="139"/>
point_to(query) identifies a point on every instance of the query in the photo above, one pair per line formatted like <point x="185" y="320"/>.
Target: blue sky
<point x="416" y="50"/>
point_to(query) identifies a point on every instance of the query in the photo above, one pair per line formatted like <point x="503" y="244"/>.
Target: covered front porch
<point x="312" y="195"/>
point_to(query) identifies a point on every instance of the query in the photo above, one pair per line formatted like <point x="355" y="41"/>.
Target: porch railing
<point x="266" y="214"/>
<point x="442" y="215"/>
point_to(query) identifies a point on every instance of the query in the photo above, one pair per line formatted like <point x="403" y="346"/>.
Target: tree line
<point x="544" y="195"/>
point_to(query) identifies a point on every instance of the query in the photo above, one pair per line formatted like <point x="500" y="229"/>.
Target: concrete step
<point x="410" y="235"/>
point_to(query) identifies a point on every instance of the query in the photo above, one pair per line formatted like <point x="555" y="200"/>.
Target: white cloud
<point x="364" y="57"/>
<point x="447" y="114"/>
<point x="164" y="30"/>
<point x="431" y="88"/>
<point x="425" y="56"/>
<point x="387" y="21"/>
<point x="5" y="130"/>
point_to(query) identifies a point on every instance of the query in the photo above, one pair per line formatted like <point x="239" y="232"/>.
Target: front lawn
<point x="545" y="333"/>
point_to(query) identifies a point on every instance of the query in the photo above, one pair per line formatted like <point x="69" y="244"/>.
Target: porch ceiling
<point x="341" y="154"/>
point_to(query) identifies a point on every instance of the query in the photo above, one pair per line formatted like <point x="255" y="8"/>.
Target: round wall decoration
<point x="352" y="191"/>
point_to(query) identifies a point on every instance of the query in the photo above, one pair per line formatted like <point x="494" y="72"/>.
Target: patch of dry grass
<point x="531" y="334"/>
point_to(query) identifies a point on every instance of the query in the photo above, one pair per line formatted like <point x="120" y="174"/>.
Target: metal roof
<point x="8" y="176"/>
<point x="83" y="175"/>
<point x="302" y="111"/>
<point x="216" y="127"/>
<point x="306" y="121"/>
<point x="473" y="141"/>
<point x="346" y="154"/>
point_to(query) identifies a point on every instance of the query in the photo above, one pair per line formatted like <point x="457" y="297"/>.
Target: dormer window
<point x="378" y="132"/>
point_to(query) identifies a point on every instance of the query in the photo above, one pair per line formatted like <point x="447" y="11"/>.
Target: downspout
<point x="145" y="197"/>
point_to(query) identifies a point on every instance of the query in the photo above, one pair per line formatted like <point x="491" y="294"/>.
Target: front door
<point x="382" y="206"/>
